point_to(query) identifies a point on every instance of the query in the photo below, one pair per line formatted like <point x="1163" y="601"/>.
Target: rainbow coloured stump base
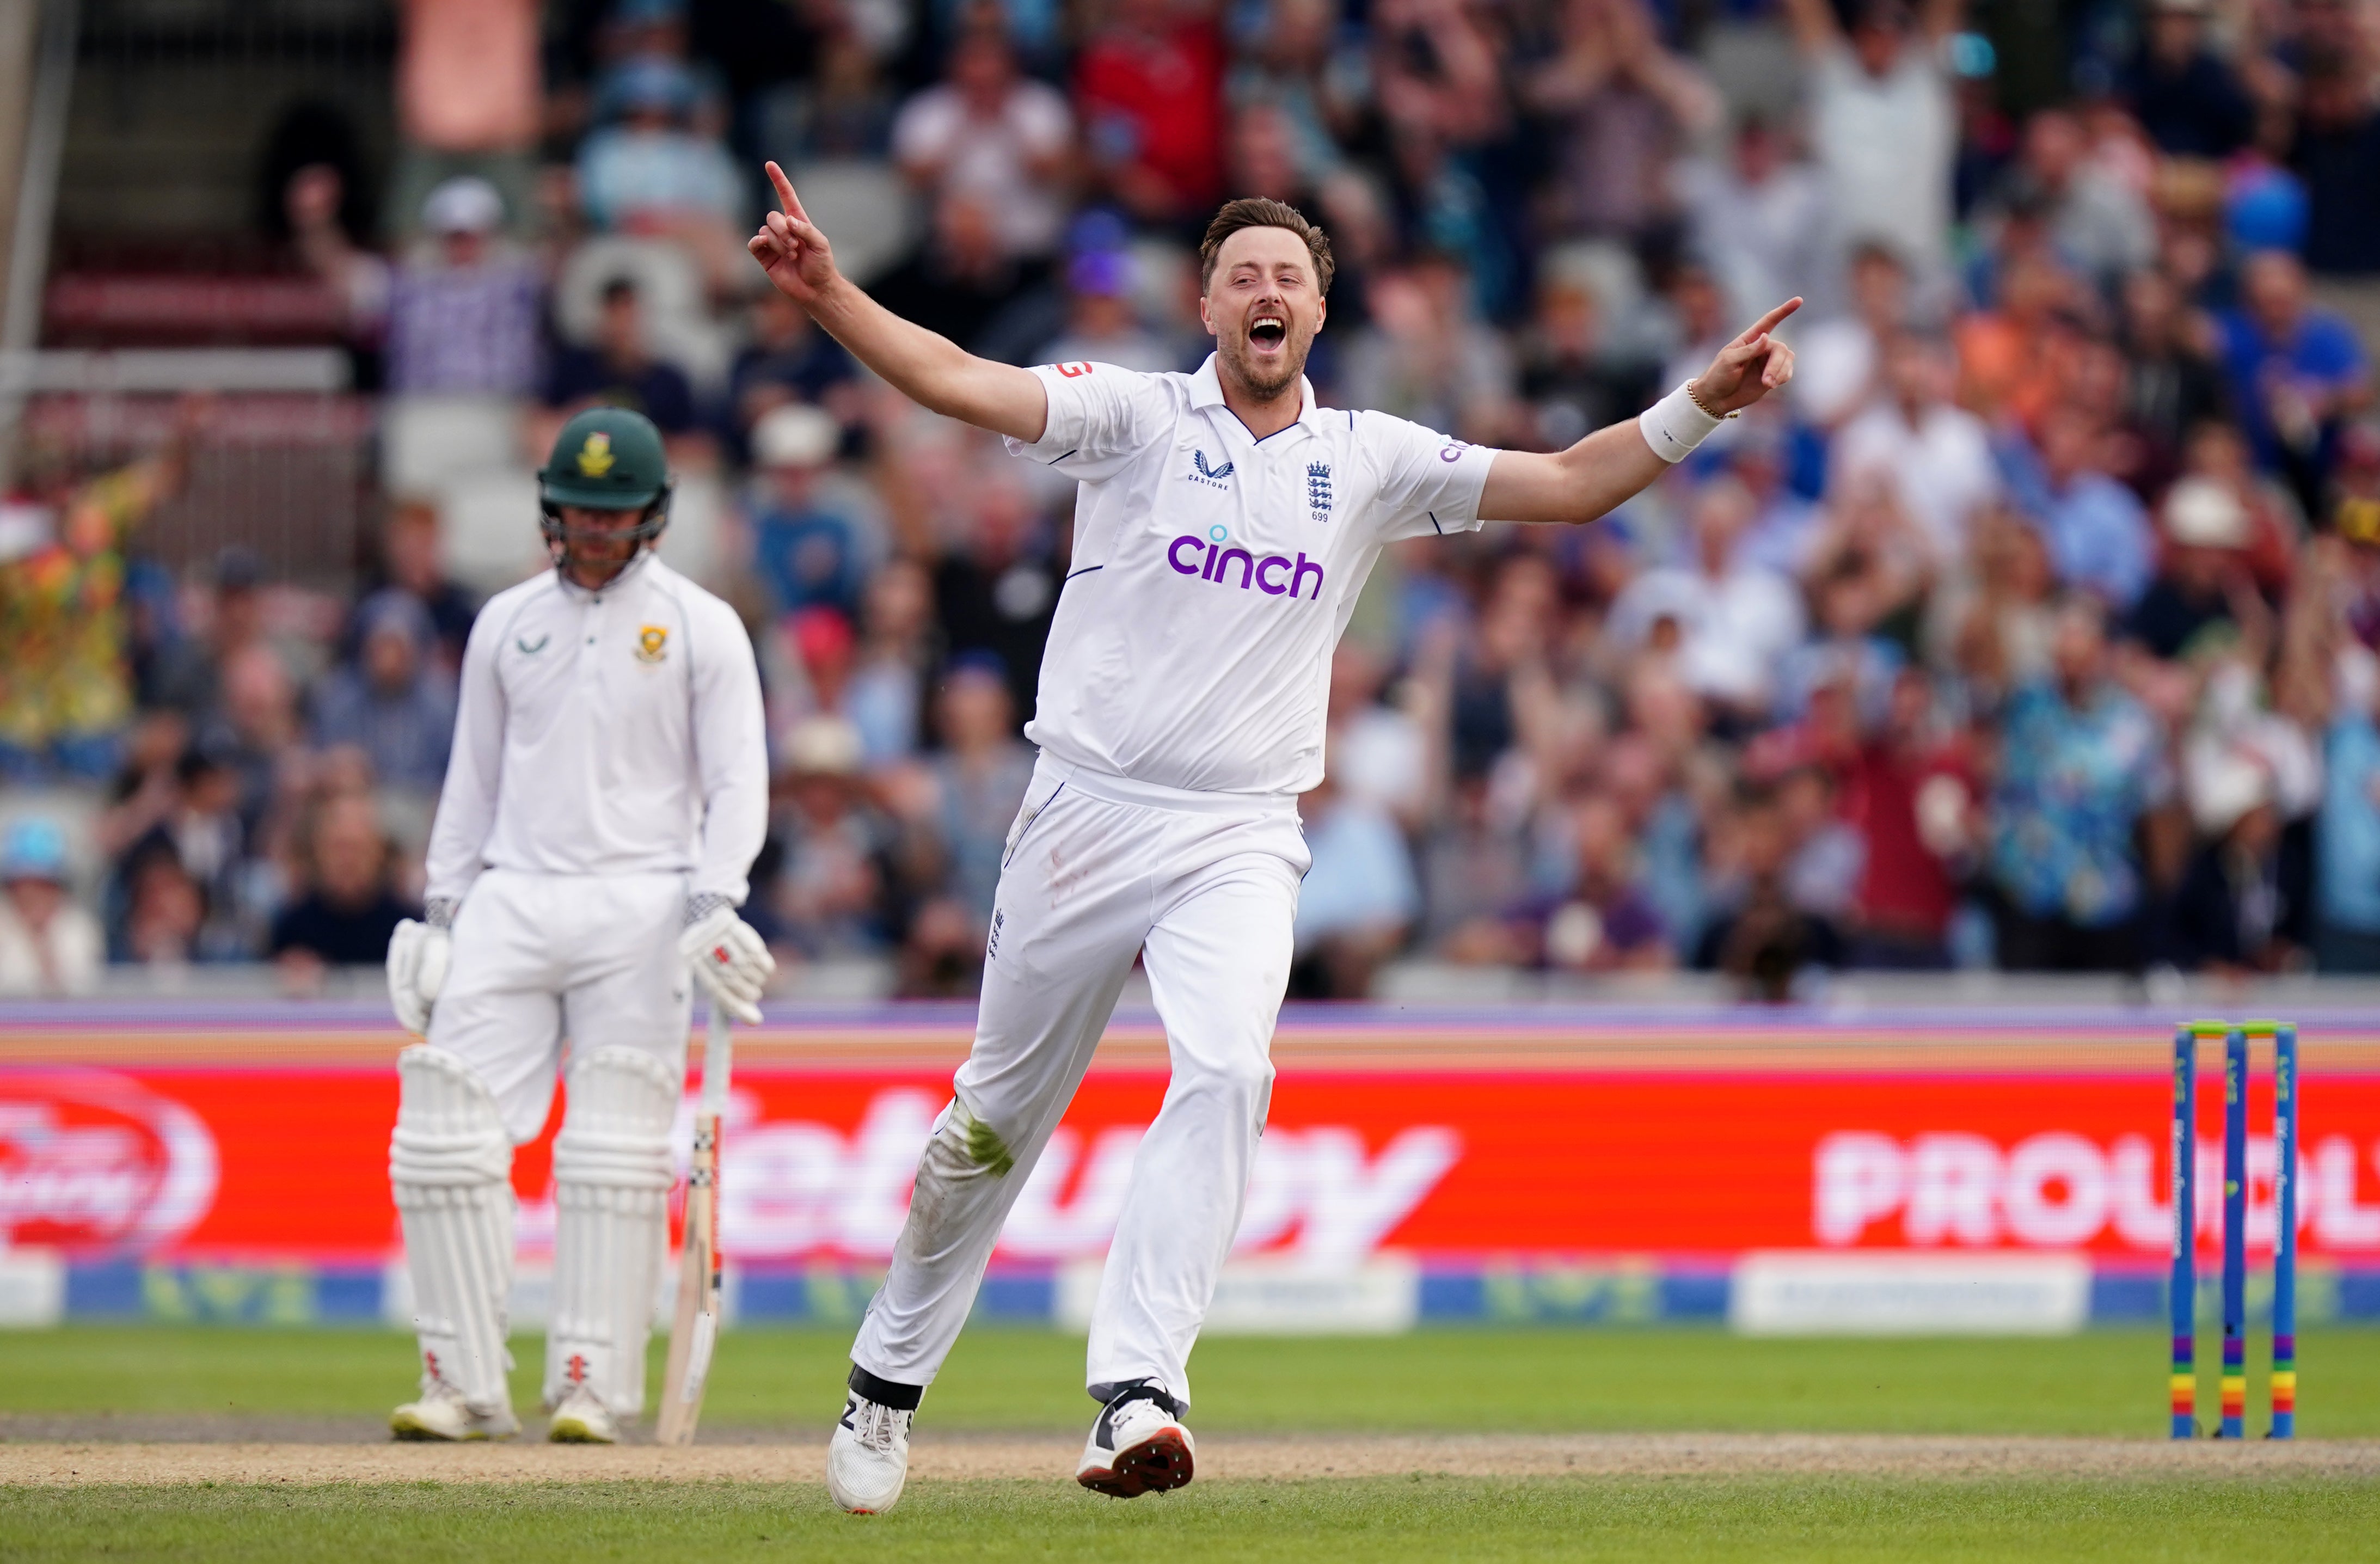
<point x="2182" y="1286"/>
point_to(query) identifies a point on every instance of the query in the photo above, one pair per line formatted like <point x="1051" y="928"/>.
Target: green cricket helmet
<point x="606" y="459"/>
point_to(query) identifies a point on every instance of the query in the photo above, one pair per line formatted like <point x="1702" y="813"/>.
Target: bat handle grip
<point x="718" y="1054"/>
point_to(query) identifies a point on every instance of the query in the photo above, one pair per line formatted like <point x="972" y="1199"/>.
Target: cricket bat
<point x="696" y="1331"/>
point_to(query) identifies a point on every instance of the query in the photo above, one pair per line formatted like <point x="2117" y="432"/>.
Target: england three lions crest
<point x="1318" y="490"/>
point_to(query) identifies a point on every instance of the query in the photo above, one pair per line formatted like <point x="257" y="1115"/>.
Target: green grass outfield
<point x="1373" y="1521"/>
<point x="2102" y="1382"/>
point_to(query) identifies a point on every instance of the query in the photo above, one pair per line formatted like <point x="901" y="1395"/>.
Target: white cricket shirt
<point x="612" y="732"/>
<point x="1213" y="571"/>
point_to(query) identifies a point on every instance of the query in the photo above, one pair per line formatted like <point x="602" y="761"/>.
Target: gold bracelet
<point x="1693" y="395"/>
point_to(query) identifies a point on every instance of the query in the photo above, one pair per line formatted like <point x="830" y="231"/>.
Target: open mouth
<point x="1268" y="331"/>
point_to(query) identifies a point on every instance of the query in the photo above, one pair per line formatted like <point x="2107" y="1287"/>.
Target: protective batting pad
<point x="450" y="1165"/>
<point x="612" y="1177"/>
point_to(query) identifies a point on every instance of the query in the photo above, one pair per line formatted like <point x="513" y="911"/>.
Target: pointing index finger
<point x="1767" y="322"/>
<point x="785" y="197"/>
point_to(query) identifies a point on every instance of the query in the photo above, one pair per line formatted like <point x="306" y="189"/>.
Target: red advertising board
<point x="1460" y="1140"/>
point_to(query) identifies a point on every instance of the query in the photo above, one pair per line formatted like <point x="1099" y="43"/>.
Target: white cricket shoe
<point x="581" y="1419"/>
<point x="440" y="1413"/>
<point x="1137" y="1444"/>
<point x="867" y="1459"/>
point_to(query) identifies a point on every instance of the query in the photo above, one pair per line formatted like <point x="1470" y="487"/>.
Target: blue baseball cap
<point x="34" y="848"/>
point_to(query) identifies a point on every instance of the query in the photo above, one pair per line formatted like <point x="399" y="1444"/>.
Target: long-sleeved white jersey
<point x="612" y="732"/>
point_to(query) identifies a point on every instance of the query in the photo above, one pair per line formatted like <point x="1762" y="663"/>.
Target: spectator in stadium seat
<point x="991" y="134"/>
<point x="349" y="907"/>
<point x="166" y="911"/>
<point x="1573" y="380"/>
<point x="1757" y="935"/>
<point x="465" y="318"/>
<point x="2173" y="385"/>
<point x="2098" y="534"/>
<point x="50" y="946"/>
<point x="959" y="282"/>
<point x="1102" y="326"/>
<point x="2078" y="761"/>
<point x="391" y="702"/>
<point x="650" y="173"/>
<point x="2242" y="905"/>
<point x="1618" y="104"/>
<point x="1358" y="900"/>
<point x="1937" y="455"/>
<point x="1883" y="123"/>
<point x="2185" y="95"/>
<point x="1603" y="921"/>
<point x="831" y="887"/>
<point x="409" y="563"/>
<point x="1378" y="753"/>
<point x="1758" y="218"/>
<point x="2347" y="829"/>
<point x="979" y="773"/>
<point x="998" y="590"/>
<point x="886" y="693"/>
<point x="2202" y="583"/>
<point x="2296" y="371"/>
<point x="620" y="370"/>
<point x="2338" y="155"/>
<point x="1910" y="794"/>
<point x="357" y="277"/>
<point x="2099" y="228"/>
<point x="253" y="733"/>
<point x="66" y="690"/>
<point x="1735" y="619"/>
<point x="814" y="540"/>
<point x="1838" y="363"/>
<point x="1303" y="65"/>
<point x="787" y="359"/>
<point x="1148" y="92"/>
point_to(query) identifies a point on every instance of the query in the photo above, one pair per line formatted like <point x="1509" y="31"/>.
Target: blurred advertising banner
<point x="1592" y="1164"/>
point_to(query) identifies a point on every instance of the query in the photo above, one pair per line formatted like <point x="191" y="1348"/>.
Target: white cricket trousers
<point x="539" y="957"/>
<point x="1203" y="887"/>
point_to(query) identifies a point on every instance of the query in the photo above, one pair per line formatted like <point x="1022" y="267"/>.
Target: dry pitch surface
<point x="1221" y="1458"/>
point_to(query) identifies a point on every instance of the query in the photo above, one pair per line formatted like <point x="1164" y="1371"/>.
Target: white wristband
<point x="1674" y="426"/>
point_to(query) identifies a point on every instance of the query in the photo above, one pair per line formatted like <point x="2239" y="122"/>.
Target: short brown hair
<point x="1263" y="212"/>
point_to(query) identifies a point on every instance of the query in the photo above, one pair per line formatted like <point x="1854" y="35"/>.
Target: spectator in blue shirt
<point x="2098" y="534"/>
<point x="391" y="701"/>
<point x="1359" y="899"/>
<point x="2079" y="761"/>
<point x="2347" y="840"/>
<point x="649" y="172"/>
<point x="811" y="543"/>
<point x="2295" y="370"/>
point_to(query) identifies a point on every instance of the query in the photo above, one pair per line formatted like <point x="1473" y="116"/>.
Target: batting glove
<point x="418" y="956"/>
<point x="728" y="956"/>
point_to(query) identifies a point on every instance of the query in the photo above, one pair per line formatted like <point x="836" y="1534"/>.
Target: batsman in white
<point x="607" y="792"/>
<point x="1223" y="529"/>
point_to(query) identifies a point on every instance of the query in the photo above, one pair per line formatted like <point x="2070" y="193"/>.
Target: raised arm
<point x="1814" y="25"/>
<point x="1937" y="19"/>
<point x="1614" y="463"/>
<point x="928" y="369"/>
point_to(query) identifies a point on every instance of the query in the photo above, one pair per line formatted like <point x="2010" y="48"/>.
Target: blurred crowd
<point x="2034" y="628"/>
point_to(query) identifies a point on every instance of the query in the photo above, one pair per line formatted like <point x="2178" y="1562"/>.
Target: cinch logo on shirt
<point x="1211" y="477"/>
<point x="1193" y="555"/>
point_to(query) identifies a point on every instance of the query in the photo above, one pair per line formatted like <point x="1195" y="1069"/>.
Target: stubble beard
<point x="1263" y="386"/>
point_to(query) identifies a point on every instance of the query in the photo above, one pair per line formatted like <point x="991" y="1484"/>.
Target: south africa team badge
<point x="652" y="643"/>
